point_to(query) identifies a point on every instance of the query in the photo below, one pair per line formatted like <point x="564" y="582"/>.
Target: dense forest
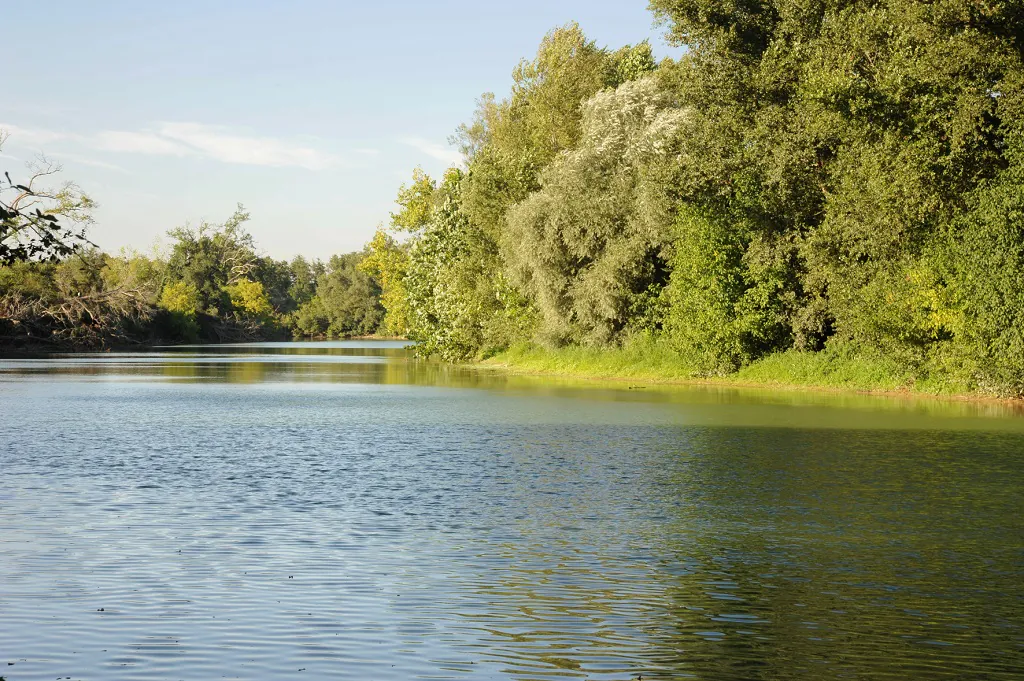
<point x="816" y="178"/>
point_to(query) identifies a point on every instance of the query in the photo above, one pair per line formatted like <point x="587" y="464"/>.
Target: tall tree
<point x="589" y="245"/>
<point x="211" y="257"/>
<point x="836" y="143"/>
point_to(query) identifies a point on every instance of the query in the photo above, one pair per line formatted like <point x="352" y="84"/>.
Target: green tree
<point x="303" y="277"/>
<point x="590" y="245"/>
<point x="38" y="222"/>
<point x="180" y="300"/>
<point x="833" y="146"/>
<point x="509" y="142"/>
<point x="133" y="271"/>
<point x="386" y="262"/>
<point x="275" y="276"/>
<point x="211" y="257"/>
<point x="249" y="299"/>
<point x="449" y="310"/>
<point x="416" y="200"/>
<point x="977" y="297"/>
<point x="180" y="296"/>
<point x="347" y="301"/>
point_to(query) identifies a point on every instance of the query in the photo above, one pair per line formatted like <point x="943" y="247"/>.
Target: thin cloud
<point x="86" y="161"/>
<point x="32" y="136"/>
<point x="187" y="139"/>
<point x="434" y="150"/>
<point x="221" y="144"/>
<point x="136" y="143"/>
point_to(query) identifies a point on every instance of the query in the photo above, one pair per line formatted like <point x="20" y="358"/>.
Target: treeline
<point x="210" y="286"/>
<point x="834" y="177"/>
<point x="828" y="179"/>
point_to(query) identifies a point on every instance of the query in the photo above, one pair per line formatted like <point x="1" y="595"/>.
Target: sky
<point x="311" y="113"/>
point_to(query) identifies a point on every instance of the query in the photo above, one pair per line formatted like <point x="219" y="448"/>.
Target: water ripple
<point x="203" y="529"/>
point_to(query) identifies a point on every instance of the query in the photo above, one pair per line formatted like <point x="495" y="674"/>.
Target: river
<point x="342" y="511"/>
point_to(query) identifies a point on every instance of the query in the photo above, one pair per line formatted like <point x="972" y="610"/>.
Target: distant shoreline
<point x="612" y="366"/>
<point x="34" y="348"/>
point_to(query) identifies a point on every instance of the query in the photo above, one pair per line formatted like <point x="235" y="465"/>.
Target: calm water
<point x="339" y="511"/>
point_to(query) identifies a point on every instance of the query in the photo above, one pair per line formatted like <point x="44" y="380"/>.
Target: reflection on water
<point x="392" y="363"/>
<point x="341" y="509"/>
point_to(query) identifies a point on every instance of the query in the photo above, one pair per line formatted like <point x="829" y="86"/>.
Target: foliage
<point x="180" y="300"/>
<point x="591" y="241"/>
<point x="441" y="282"/>
<point x="346" y="303"/>
<point x="94" y="299"/>
<point x="836" y="184"/>
<point x="211" y="257"/>
<point x="386" y="261"/>
<point x="510" y="142"/>
<point x="180" y="296"/>
<point x="849" y="167"/>
<point x="136" y="271"/>
<point x="417" y="202"/>
<point x="303" y="277"/>
<point x="447" y="314"/>
<point x="249" y="299"/>
<point x="31" y="216"/>
<point x="276" y="278"/>
<point x="69" y="304"/>
<point x="978" y="299"/>
<point x="827" y="192"/>
<point x="463" y="299"/>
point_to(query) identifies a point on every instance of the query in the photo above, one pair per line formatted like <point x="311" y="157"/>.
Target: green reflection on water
<point x="704" y="531"/>
<point x="392" y="363"/>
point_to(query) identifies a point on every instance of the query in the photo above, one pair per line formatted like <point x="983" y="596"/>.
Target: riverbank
<point x="34" y="347"/>
<point x="654" y="363"/>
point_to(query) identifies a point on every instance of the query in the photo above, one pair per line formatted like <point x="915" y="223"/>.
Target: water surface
<point x="339" y="510"/>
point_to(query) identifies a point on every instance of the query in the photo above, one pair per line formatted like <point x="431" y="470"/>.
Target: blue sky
<point x="310" y="112"/>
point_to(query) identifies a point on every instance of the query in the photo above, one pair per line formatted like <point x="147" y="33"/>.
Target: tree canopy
<point x="808" y="177"/>
<point x="836" y="176"/>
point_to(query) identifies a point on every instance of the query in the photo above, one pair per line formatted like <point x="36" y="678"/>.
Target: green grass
<point x="829" y="369"/>
<point x="649" y="360"/>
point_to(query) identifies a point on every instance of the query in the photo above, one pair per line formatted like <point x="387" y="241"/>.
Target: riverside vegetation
<point x="210" y="285"/>
<point x="826" y="192"/>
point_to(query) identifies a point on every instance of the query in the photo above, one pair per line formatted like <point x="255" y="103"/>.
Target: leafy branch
<point x="38" y="223"/>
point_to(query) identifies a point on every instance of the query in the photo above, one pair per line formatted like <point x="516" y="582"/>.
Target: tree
<point x="275" y="276"/>
<point x="31" y="216"/>
<point x="416" y="200"/>
<point x="249" y="299"/>
<point x="589" y="245"/>
<point x="211" y="257"/>
<point x="510" y="142"/>
<point x="347" y="301"/>
<point x="386" y="261"/>
<point x="303" y="277"/>
<point x="834" y="147"/>
<point x="508" y="146"/>
<point x="448" y="311"/>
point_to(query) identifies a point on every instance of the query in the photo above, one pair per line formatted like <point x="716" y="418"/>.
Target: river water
<point x="342" y="511"/>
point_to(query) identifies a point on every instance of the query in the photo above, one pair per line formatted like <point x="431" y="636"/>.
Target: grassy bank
<point x="653" y="362"/>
